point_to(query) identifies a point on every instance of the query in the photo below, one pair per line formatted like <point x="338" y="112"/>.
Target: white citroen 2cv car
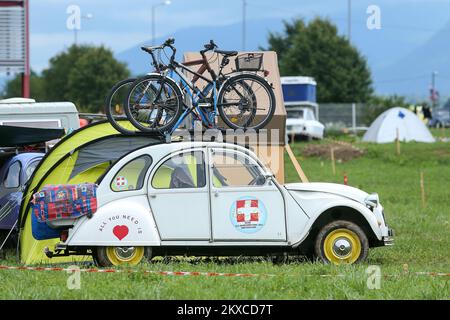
<point x="217" y="199"/>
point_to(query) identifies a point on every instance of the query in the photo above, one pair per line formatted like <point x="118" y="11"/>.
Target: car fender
<point x="329" y="201"/>
<point x="123" y="222"/>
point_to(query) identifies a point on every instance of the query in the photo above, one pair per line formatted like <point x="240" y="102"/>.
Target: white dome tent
<point x="410" y="127"/>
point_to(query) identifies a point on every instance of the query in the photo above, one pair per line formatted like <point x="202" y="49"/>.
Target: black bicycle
<point x="242" y="98"/>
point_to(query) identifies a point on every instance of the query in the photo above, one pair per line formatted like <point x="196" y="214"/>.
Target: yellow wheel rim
<point x="125" y="255"/>
<point x="342" y="246"/>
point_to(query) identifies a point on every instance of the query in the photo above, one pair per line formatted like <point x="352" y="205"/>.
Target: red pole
<point x="26" y="74"/>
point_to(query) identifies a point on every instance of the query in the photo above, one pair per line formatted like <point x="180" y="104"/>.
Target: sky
<point x="121" y="24"/>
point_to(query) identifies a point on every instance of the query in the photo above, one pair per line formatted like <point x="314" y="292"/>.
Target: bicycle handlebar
<point x="169" y="43"/>
<point x="209" y="46"/>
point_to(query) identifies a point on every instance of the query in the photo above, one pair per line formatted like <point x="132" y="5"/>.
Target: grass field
<point x="422" y="243"/>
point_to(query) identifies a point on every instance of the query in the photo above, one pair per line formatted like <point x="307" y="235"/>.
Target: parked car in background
<point x="15" y="170"/>
<point x="440" y="118"/>
<point x="301" y="121"/>
<point x="20" y="112"/>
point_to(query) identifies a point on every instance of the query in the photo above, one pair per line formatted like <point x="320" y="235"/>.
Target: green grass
<point x="422" y="242"/>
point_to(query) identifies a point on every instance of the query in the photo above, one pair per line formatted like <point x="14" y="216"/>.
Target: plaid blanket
<point x="56" y="202"/>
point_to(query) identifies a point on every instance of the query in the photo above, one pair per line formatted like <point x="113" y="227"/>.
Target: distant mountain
<point x="227" y="37"/>
<point x="382" y="48"/>
<point x="413" y="71"/>
<point x="401" y="62"/>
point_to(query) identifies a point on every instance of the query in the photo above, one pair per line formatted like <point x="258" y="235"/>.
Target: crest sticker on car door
<point x="248" y="214"/>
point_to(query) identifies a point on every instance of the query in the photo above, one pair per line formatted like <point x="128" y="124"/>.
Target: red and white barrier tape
<point x="164" y="273"/>
<point x="207" y="274"/>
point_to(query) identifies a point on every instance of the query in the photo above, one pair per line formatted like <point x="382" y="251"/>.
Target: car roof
<point x="21" y="157"/>
<point x="25" y="157"/>
<point x="196" y="144"/>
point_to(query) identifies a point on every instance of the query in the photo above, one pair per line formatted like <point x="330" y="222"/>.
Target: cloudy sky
<point x="121" y="24"/>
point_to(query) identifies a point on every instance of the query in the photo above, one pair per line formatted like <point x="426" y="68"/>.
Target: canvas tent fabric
<point x="12" y="136"/>
<point x="57" y="167"/>
<point x="409" y="126"/>
<point x="107" y="150"/>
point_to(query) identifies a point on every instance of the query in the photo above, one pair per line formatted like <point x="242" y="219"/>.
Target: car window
<point x="295" y="114"/>
<point x="309" y="115"/>
<point x="232" y="169"/>
<point x="30" y="169"/>
<point x="184" y="170"/>
<point x="12" y="179"/>
<point x="131" y="176"/>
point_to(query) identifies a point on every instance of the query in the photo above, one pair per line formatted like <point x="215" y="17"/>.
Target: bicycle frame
<point x="207" y="118"/>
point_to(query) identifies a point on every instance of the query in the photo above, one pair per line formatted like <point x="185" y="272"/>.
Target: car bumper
<point x="311" y="131"/>
<point x="389" y="239"/>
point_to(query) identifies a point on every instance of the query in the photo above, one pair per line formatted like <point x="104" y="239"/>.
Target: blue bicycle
<point x="242" y="99"/>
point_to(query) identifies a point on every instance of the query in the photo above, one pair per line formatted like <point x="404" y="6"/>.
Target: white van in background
<point x="21" y="112"/>
<point x="302" y="122"/>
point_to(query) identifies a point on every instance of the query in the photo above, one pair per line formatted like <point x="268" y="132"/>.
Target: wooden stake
<point x="422" y="189"/>
<point x="333" y="162"/>
<point x="398" y="142"/>
<point x="297" y="166"/>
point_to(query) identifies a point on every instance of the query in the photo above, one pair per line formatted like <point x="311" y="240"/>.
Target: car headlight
<point x="372" y="200"/>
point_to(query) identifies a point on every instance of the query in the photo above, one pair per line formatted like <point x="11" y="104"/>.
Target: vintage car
<point x="302" y="122"/>
<point x="14" y="173"/>
<point x="217" y="199"/>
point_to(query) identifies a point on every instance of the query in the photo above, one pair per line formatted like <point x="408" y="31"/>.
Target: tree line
<point x="81" y="74"/>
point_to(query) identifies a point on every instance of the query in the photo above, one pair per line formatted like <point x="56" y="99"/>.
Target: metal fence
<point x="348" y="115"/>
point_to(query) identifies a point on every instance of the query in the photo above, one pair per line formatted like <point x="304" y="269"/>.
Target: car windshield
<point x="30" y="169"/>
<point x="296" y="114"/>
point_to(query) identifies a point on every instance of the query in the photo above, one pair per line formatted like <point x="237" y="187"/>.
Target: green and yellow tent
<point x="82" y="156"/>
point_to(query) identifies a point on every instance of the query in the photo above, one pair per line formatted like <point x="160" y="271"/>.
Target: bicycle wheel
<point x="154" y="103"/>
<point x="246" y="101"/>
<point x="115" y="109"/>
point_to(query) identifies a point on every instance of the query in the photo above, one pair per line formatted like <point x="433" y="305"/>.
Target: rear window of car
<point x="30" y="169"/>
<point x="12" y="179"/>
<point x="131" y="176"/>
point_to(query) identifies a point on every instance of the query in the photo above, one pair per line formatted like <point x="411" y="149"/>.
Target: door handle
<point x="216" y="194"/>
<point x="153" y="196"/>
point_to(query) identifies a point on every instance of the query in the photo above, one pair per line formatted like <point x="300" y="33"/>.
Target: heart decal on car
<point x="120" y="232"/>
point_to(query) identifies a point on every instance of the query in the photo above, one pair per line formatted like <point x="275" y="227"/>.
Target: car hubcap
<point x="125" y="255"/>
<point x="342" y="246"/>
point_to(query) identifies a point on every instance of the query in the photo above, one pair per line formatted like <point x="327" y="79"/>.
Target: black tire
<point x="113" y="118"/>
<point x="352" y="229"/>
<point x="280" y="259"/>
<point x="240" y="79"/>
<point x="176" y="105"/>
<point x="101" y="259"/>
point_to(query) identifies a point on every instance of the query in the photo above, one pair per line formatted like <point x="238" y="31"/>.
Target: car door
<point x="179" y="197"/>
<point x="245" y="205"/>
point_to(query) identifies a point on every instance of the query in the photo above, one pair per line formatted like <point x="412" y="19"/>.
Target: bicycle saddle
<point x="227" y="53"/>
<point x="150" y="49"/>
